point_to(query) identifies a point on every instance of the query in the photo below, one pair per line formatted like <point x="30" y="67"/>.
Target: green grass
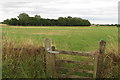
<point x="66" y="38"/>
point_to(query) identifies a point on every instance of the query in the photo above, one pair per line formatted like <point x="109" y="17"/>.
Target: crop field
<point x="64" y="38"/>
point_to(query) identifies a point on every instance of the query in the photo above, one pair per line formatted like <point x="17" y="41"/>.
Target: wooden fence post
<point x="98" y="65"/>
<point x="50" y="59"/>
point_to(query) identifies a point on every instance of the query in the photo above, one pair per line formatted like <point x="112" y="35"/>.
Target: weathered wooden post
<point x="50" y="59"/>
<point x="98" y="64"/>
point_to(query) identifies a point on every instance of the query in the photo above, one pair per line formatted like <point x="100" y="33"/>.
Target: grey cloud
<point x="14" y="4"/>
<point x="57" y="8"/>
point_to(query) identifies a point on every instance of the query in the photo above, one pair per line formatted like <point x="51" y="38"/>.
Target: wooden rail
<point x="75" y="70"/>
<point x="50" y="61"/>
<point x="72" y="53"/>
<point x="72" y="76"/>
<point x="75" y="62"/>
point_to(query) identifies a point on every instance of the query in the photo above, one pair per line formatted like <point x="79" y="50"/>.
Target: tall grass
<point x="22" y="62"/>
<point x="111" y="61"/>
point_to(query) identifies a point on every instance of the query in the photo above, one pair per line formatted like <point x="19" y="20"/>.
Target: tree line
<point x="108" y="25"/>
<point x="25" y="20"/>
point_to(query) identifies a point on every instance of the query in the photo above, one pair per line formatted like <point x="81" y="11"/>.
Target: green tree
<point x="23" y="19"/>
<point x="37" y="16"/>
<point x="23" y="16"/>
<point x="13" y="21"/>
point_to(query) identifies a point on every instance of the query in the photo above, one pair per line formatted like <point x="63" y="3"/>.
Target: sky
<point x="96" y="11"/>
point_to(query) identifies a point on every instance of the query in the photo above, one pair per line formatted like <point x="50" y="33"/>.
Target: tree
<point x="23" y="16"/>
<point x="13" y="21"/>
<point x="23" y="19"/>
<point x="7" y="21"/>
<point x="37" y="16"/>
<point x="69" y="17"/>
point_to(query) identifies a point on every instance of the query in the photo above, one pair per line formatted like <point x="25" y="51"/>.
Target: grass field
<point x="66" y="38"/>
<point x="69" y="38"/>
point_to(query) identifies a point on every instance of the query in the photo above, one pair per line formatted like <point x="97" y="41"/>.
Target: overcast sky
<point x="96" y="11"/>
